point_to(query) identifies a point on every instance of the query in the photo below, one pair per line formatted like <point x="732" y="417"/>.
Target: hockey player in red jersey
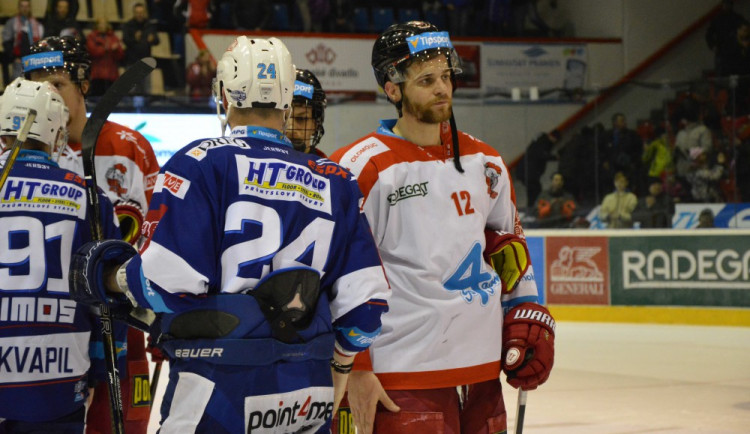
<point x="442" y="210"/>
<point x="305" y="125"/>
<point x="126" y="169"/>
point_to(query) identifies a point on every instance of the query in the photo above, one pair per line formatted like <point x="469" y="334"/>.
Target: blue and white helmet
<point x="255" y="73"/>
<point x="50" y="125"/>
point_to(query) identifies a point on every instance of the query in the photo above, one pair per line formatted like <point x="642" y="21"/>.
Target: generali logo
<point x="321" y="54"/>
<point x="577" y="272"/>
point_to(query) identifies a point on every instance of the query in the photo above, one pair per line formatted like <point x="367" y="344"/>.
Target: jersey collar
<point x="386" y="128"/>
<point x="32" y="156"/>
<point x="263" y="133"/>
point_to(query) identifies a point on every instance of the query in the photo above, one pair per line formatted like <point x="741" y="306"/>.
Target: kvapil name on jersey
<point x="40" y="360"/>
<point x="28" y="190"/>
<point x="32" y="309"/>
<point x="290" y="414"/>
<point x="535" y="315"/>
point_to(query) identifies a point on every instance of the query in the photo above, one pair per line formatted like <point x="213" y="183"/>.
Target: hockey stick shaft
<point x="520" y="410"/>
<point x="133" y="75"/>
<point x="16" y="147"/>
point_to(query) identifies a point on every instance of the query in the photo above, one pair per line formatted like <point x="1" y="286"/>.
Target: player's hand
<point x="365" y="391"/>
<point x="130" y="216"/>
<point x="528" y="345"/>
<point x="91" y="270"/>
<point x="508" y="255"/>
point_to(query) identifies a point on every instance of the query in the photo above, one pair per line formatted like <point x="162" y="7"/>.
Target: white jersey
<point x="446" y="308"/>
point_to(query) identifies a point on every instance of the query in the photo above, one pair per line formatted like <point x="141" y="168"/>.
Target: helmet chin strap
<point x="222" y="117"/>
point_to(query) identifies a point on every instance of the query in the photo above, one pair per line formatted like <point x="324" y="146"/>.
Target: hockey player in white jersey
<point x="443" y="214"/>
<point x="259" y="263"/>
<point x="44" y="334"/>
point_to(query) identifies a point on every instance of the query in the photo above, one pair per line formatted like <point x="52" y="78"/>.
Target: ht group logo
<point x="275" y="179"/>
<point x="304" y="410"/>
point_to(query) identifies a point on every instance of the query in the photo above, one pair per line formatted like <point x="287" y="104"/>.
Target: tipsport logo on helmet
<point x="428" y="41"/>
<point x="304" y="410"/>
<point x="303" y="89"/>
<point x="51" y="59"/>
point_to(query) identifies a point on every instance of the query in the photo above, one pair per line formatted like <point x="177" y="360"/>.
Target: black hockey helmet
<point x="309" y="93"/>
<point x="54" y="52"/>
<point x="401" y="44"/>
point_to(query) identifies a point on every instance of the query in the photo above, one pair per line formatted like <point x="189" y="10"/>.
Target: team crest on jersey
<point x="116" y="179"/>
<point x="199" y="152"/>
<point x="408" y="191"/>
<point x="492" y="174"/>
<point x="275" y="179"/>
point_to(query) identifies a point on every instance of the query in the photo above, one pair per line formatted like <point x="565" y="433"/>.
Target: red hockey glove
<point x="156" y="354"/>
<point x="130" y="216"/>
<point x="508" y="255"/>
<point x="528" y="345"/>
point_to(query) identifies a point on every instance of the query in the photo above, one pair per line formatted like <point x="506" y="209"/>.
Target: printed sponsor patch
<point x="43" y="196"/>
<point x="141" y="391"/>
<point x="303" y="89"/>
<point x="408" y="191"/>
<point x="175" y="184"/>
<point x="281" y="180"/>
<point x="304" y="410"/>
<point x="49" y="59"/>
<point x="428" y="40"/>
<point x="356" y="157"/>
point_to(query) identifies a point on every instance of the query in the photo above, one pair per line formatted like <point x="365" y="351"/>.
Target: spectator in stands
<point x="197" y="13"/>
<point x="704" y="176"/>
<point x="738" y="63"/>
<point x="106" y="52"/>
<point x="705" y="219"/>
<point x="62" y="22"/>
<point x="200" y="74"/>
<point x="52" y="6"/>
<point x="252" y="14"/>
<point x="555" y="206"/>
<point x="459" y="14"/>
<point x="674" y="188"/>
<point x="318" y="10"/>
<point x="721" y="36"/>
<point x="622" y="152"/>
<point x="617" y="207"/>
<point x="532" y="165"/>
<point x="580" y="164"/>
<point x="655" y="209"/>
<point x="19" y="32"/>
<point x="341" y="17"/>
<point x="657" y="155"/>
<point x="139" y="36"/>
<point x="693" y="135"/>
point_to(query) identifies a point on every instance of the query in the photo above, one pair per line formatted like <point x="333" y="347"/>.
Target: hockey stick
<point x="16" y="148"/>
<point x="133" y="75"/>
<point x="520" y="410"/>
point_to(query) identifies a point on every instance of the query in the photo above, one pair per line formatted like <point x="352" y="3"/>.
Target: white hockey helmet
<point x="255" y="73"/>
<point x="50" y="125"/>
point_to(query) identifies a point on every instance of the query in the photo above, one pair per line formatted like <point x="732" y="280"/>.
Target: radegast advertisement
<point x="695" y="270"/>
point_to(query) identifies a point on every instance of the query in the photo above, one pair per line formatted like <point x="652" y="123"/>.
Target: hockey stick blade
<point x="133" y="75"/>
<point x="520" y="410"/>
<point x="16" y="147"/>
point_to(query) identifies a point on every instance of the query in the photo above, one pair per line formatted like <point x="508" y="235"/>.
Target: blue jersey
<point x="227" y="212"/>
<point x="44" y="334"/>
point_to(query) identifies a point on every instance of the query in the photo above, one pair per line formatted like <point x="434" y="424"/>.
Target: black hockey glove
<point x="87" y="274"/>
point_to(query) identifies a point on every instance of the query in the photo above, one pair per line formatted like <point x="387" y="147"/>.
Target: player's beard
<point x="427" y="113"/>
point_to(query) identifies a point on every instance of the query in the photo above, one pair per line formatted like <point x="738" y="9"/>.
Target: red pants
<point x="437" y="411"/>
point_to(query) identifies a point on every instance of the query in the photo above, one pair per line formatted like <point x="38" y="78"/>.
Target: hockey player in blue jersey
<point x="44" y="334"/>
<point x="259" y="264"/>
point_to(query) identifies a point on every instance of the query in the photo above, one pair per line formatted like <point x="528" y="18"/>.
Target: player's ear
<point x="85" y="86"/>
<point x="392" y="91"/>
